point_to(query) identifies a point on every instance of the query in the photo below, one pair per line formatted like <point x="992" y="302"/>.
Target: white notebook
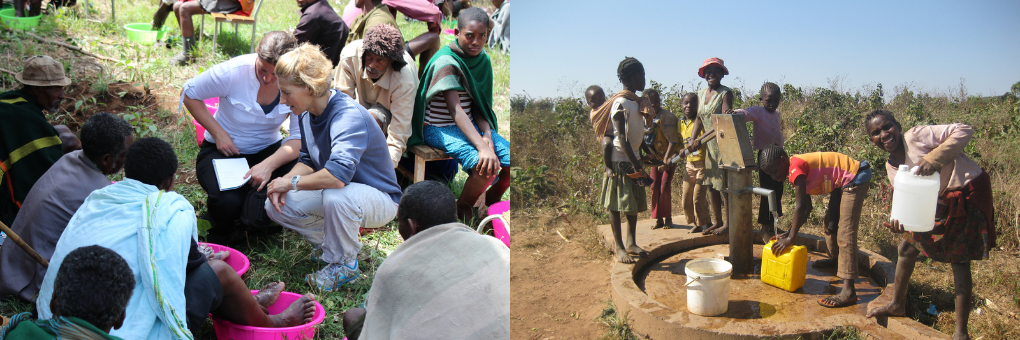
<point x="230" y="172"/>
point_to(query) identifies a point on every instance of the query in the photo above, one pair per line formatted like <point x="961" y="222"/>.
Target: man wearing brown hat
<point x="29" y="145"/>
<point x="381" y="76"/>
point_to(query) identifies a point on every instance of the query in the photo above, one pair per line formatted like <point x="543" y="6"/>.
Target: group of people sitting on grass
<point x="321" y="25"/>
<point x="336" y="170"/>
<point x="636" y="132"/>
<point x="333" y="174"/>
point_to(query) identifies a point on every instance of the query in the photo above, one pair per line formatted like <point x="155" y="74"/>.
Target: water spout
<point x="773" y="199"/>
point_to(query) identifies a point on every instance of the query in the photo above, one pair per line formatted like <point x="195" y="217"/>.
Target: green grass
<point x="279" y="257"/>
<point x="617" y="327"/>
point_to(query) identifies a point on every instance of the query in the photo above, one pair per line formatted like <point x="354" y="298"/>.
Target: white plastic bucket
<point x="708" y="286"/>
<point x="915" y="199"/>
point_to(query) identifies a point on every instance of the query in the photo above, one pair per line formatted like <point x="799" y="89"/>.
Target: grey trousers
<point x="331" y="218"/>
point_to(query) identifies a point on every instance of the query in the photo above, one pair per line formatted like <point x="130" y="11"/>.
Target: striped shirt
<point x="437" y="114"/>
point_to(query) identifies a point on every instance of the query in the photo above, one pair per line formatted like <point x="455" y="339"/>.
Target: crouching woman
<point x="344" y="179"/>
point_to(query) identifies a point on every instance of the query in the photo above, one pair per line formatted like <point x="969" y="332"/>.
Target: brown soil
<point x="120" y="98"/>
<point x="117" y="98"/>
<point x="559" y="292"/>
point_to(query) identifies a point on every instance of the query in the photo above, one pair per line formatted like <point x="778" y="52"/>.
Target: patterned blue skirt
<point x="451" y="140"/>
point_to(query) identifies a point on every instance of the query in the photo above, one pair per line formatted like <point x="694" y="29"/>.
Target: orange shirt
<point x="825" y="171"/>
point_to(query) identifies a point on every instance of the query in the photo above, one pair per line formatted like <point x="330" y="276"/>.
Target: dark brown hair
<point x="275" y="44"/>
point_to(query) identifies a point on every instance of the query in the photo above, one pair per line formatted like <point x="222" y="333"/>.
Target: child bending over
<point x="846" y="181"/>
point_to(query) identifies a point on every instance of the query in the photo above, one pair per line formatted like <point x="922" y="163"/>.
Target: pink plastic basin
<point x="498" y="229"/>
<point x="228" y="330"/>
<point x="213" y="104"/>
<point x="236" y="260"/>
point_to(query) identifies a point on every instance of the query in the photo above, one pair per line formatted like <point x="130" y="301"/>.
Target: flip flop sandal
<point x="658" y="225"/>
<point x="825" y="264"/>
<point x="849" y="302"/>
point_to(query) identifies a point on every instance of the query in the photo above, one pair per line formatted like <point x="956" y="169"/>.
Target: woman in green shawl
<point x="453" y="112"/>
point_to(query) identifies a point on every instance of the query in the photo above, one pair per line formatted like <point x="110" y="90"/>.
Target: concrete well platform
<point x="652" y="296"/>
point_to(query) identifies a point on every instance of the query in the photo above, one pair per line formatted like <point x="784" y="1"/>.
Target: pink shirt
<point x="423" y="10"/>
<point x="767" y="129"/>
<point x="940" y="145"/>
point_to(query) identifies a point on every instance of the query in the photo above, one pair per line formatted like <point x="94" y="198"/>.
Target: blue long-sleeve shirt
<point x="346" y="141"/>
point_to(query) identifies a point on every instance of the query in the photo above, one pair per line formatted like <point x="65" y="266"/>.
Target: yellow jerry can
<point x="787" y="271"/>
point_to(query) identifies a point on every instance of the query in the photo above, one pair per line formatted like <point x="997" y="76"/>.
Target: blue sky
<point x="561" y="47"/>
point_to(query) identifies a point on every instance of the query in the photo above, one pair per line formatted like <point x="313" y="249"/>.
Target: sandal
<point x="658" y="225"/>
<point x="826" y="302"/>
<point x="825" y="264"/>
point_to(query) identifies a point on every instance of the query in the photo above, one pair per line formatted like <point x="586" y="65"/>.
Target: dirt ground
<point x="559" y="290"/>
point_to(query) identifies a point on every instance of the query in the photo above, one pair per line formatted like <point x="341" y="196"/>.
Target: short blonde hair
<point x="306" y="66"/>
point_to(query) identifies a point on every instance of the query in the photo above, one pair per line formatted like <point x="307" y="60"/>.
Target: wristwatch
<point x="293" y="182"/>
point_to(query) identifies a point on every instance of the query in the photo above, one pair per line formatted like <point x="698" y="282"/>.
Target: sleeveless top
<point x="705" y="111"/>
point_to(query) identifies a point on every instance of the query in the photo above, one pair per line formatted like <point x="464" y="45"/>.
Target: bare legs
<point x="718" y="200"/>
<point x="241" y="307"/>
<point x="963" y="289"/>
<point x="907" y="257"/>
<point x="962" y="285"/>
<point x="184" y="11"/>
<point x="351" y="317"/>
<point x="498" y="188"/>
<point x="629" y="247"/>
<point x="424" y="45"/>
<point x="473" y="187"/>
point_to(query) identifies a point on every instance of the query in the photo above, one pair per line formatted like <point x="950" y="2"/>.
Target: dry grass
<point x="557" y="173"/>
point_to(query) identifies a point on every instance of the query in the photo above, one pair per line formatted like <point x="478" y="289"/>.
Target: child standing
<point x="621" y="192"/>
<point x="664" y="139"/>
<point x="766" y="131"/>
<point x="695" y="206"/>
<point x="846" y="181"/>
<point x="715" y="98"/>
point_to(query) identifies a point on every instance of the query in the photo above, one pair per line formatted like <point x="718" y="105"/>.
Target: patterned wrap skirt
<point x="964" y="225"/>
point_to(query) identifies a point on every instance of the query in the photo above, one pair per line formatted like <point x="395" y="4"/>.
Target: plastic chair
<point x="238" y="19"/>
